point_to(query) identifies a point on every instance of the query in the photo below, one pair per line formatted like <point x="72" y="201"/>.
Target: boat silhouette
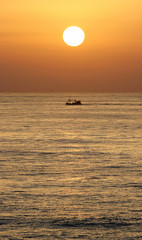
<point x="74" y="102"/>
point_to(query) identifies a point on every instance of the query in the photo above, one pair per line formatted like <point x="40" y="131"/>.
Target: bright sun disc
<point x="73" y="36"/>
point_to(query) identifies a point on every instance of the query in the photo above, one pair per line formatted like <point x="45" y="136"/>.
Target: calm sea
<point x="70" y="172"/>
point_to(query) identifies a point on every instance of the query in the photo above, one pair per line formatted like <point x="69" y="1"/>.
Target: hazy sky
<point x="34" y="57"/>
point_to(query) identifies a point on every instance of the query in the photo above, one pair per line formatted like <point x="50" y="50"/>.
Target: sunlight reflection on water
<point x="70" y="171"/>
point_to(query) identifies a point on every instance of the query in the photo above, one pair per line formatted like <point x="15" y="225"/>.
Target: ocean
<point x="70" y="172"/>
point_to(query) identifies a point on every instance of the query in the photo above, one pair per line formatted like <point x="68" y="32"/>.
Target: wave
<point x="105" y="222"/>
<point x="95" y="222"/>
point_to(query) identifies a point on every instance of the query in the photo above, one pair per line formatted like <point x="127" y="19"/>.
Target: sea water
<point x="70" y="172"/>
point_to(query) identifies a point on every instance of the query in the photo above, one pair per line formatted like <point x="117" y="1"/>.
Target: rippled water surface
<point x="70" y="172"/>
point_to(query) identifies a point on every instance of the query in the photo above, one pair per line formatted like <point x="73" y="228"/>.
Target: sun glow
<point x="73" y="36"/>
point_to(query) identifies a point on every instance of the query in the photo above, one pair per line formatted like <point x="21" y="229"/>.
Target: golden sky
<point x="34" y="57"/>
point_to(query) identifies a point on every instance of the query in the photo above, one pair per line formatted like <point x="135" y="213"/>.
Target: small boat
<point x="74" y="102"/>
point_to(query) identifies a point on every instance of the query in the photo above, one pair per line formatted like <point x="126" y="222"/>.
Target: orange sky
<point x="34" y="57"/>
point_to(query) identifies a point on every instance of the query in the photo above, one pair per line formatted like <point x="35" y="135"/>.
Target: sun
<point x="73" y="36"/>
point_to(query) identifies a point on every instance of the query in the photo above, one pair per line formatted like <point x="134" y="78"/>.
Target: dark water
<point x="71" y="172"/>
